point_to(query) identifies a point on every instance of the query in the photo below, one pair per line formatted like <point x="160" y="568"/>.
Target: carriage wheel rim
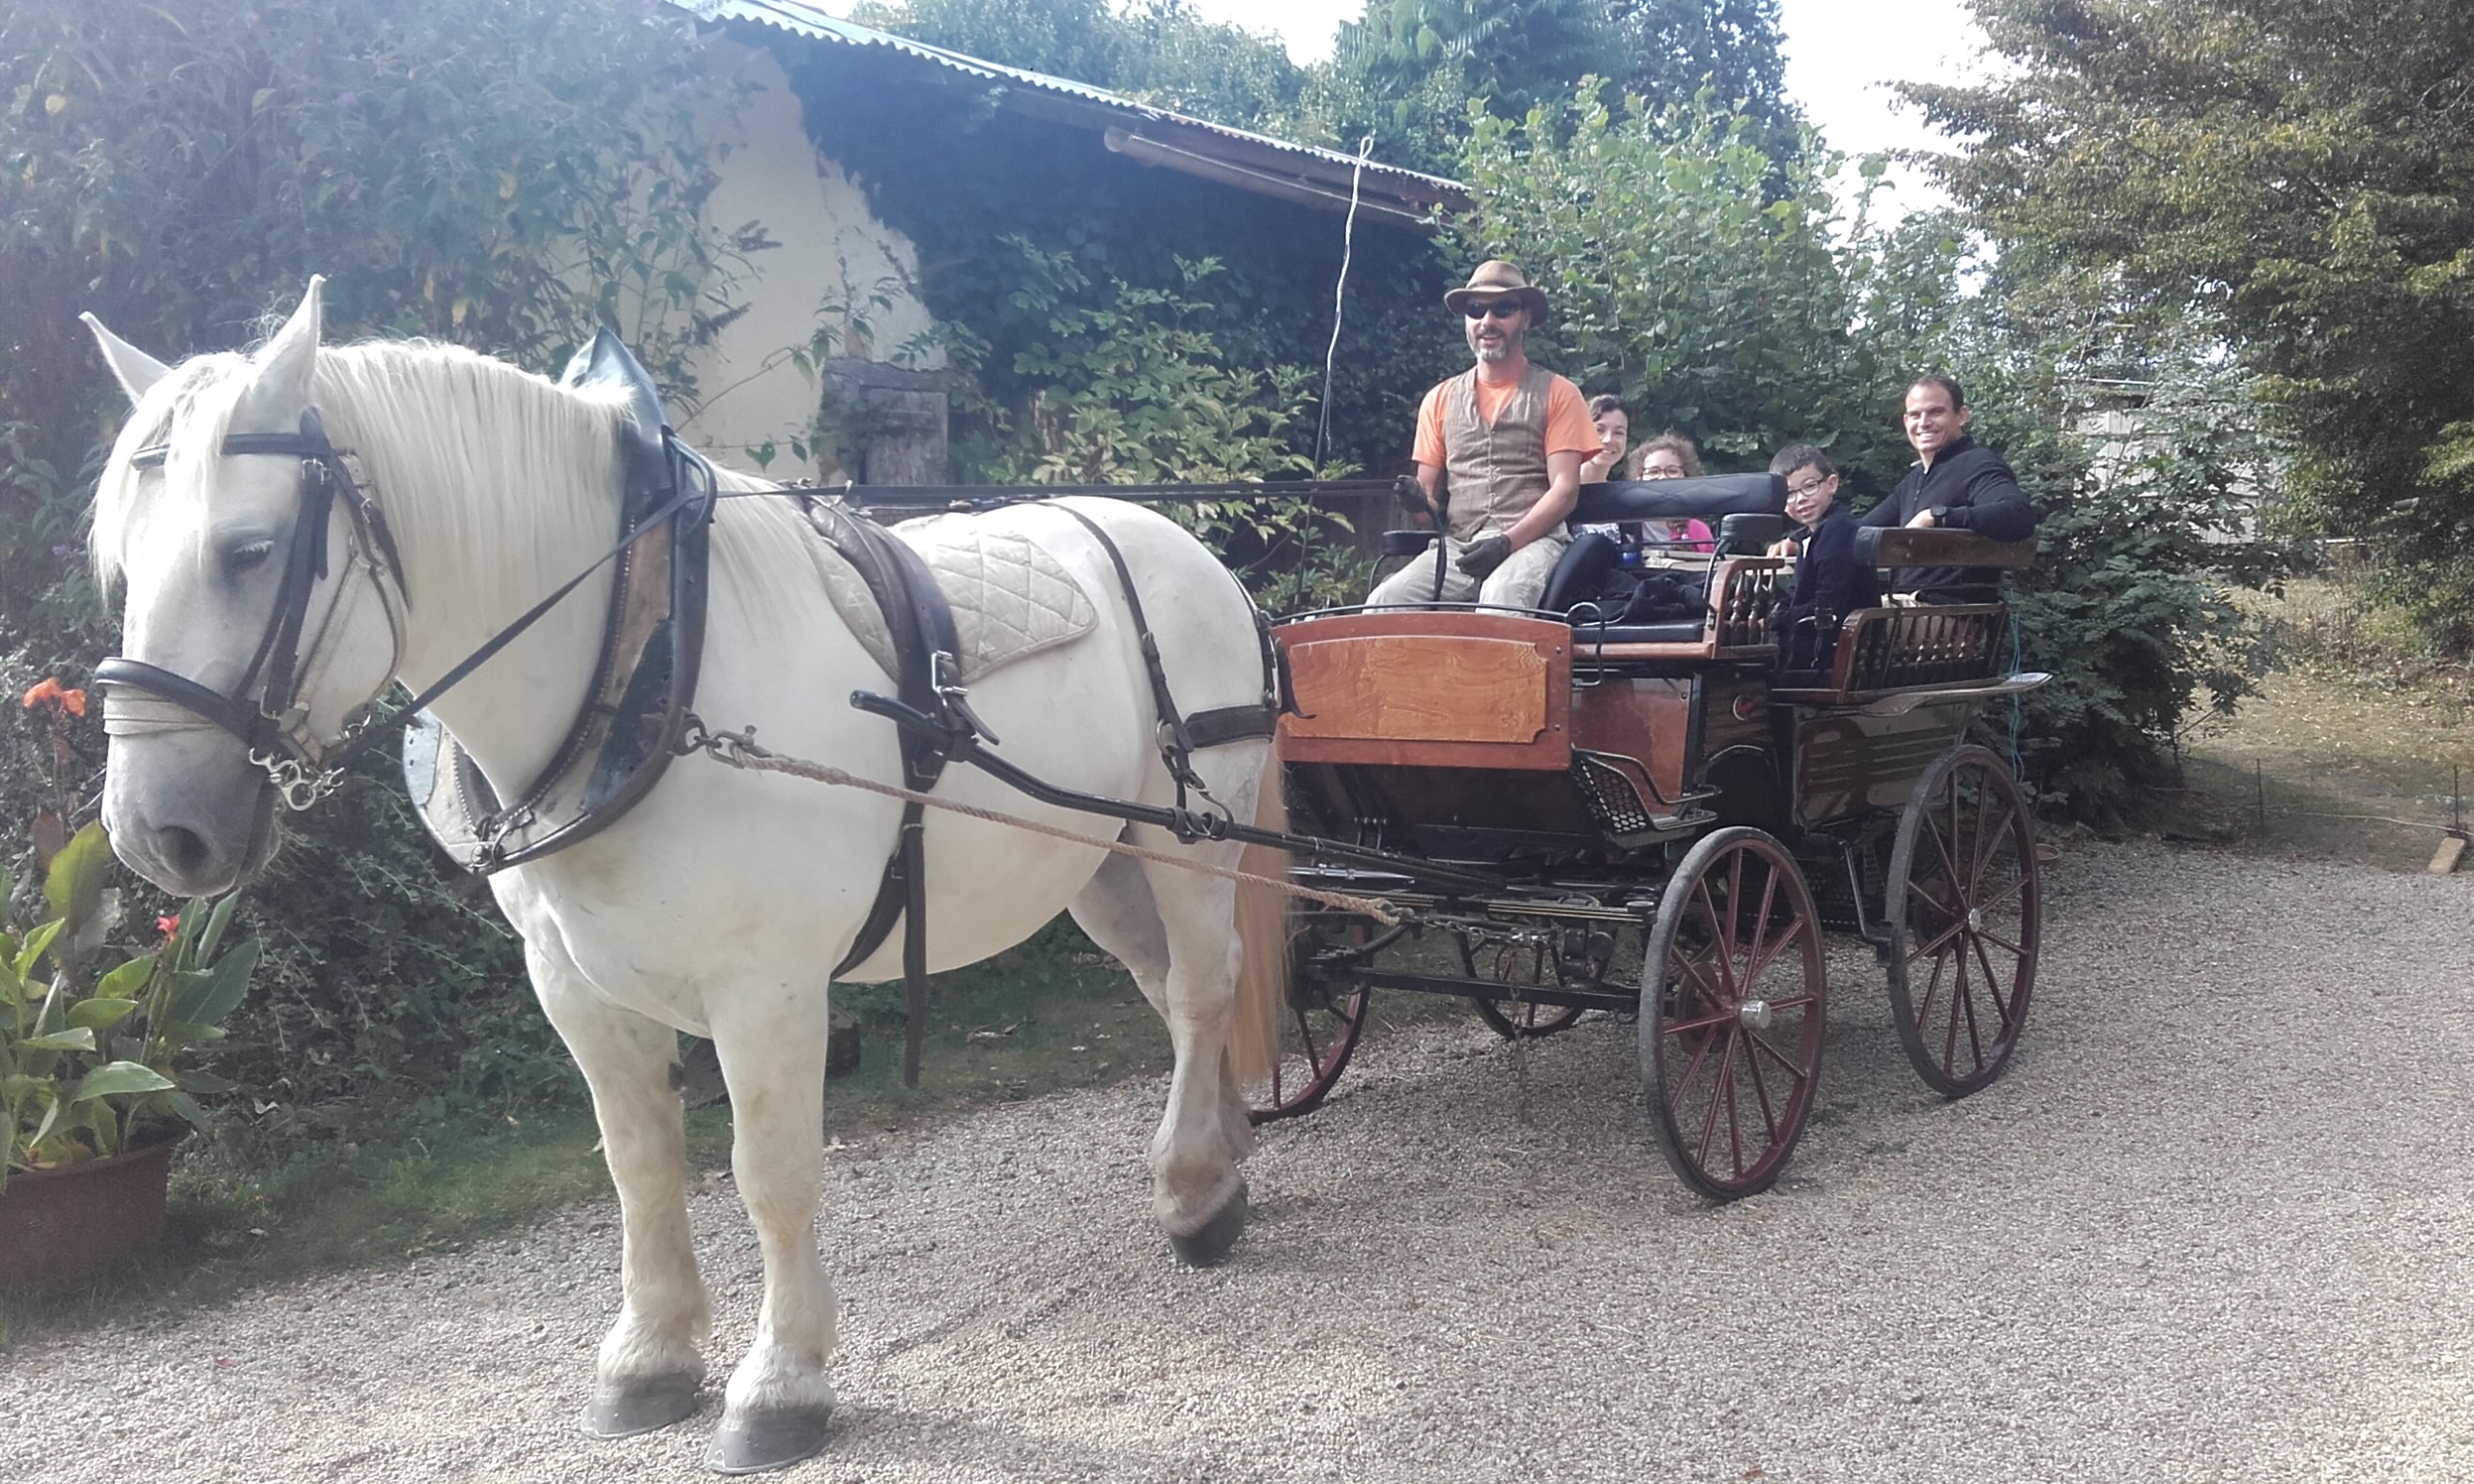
<point x="1729" y="1097"/>
<point x="1965" y="914"/>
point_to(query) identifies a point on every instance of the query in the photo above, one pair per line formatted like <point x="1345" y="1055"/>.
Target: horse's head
<point x="260" y="613"/>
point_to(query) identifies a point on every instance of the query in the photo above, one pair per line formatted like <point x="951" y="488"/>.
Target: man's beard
<point x="1502" y="350"/>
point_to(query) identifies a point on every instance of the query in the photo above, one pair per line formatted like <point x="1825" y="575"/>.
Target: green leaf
<point x="38" y="940"/>
<point x="196" y="1080"/>
<point x="79" y="1038"/>
<point x="201" y="999"/>
<point x="100" y="1015"/>
<point x="115" y="1079"/>
<point x="74" y="884"/>
<point x="126" y="982"/>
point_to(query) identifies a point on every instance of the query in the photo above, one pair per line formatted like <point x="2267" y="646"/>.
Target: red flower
<point x="168" y="926"/>
<point x="48" y="693"/>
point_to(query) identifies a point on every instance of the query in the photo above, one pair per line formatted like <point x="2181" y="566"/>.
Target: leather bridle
<point x="274" y="724"/>
<point x="264" y="708"/>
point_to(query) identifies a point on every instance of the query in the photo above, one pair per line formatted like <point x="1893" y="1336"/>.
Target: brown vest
<point x="1494" y="472"/>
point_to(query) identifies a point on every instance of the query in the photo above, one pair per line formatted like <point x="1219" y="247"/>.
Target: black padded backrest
<point x="1711" y="497"/>
<point x="1749" y="535"/>
<point x="1899" y="546"/>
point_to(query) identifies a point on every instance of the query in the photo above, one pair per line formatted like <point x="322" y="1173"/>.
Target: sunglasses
<point x="1500" y="309"/>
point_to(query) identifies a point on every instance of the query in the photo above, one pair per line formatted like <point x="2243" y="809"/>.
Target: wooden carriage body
<point x="1618" y="785"/>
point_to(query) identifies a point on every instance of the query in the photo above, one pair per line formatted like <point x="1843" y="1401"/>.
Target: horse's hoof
<point x="762" y="1441"/>
<point x="1211" y="1240"/>
<point x="625" y="1409"/>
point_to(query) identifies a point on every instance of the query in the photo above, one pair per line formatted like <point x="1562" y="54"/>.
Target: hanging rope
<point x="739" y="753"/>
<point x="1339" y="295"/>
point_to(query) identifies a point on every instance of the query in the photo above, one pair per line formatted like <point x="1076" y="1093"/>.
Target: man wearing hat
<point x="1500" y="450"/>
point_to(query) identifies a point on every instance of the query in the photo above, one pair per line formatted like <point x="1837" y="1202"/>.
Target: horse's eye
<point x="247" y="555"/>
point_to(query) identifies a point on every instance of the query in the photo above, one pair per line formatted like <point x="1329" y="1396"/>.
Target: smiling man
<point x="1500" y="449"/>
<point x="1955" y="485"/>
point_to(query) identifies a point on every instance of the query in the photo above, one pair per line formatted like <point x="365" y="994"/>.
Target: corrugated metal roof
<point x="808" y="21"/>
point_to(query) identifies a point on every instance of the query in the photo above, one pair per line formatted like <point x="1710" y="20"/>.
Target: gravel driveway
<point x="2217" y="1223"/>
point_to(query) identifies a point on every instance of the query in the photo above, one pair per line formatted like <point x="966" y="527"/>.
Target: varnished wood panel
<point x="1849" y="765"/>
<point x="1419" y="688"/>
<point x="1647" y="720"/>
<point x="1410" y="688"/>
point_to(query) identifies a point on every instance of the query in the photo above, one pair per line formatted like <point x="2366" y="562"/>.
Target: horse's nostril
<point x="184" y="850"/>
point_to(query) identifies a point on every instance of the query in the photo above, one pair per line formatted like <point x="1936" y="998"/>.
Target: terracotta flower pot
<point x="64" y="1223"/>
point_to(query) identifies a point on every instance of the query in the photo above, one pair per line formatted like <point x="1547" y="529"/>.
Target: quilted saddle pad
<point x="1010" y="597"/>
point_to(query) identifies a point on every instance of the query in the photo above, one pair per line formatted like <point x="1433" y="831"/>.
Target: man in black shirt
<point x="1955" y="485"/>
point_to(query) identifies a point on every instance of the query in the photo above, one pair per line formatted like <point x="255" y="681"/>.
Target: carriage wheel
<point x="1731" y="1013"/>
<point x="1523" y="1020"/>
<point x="1322" y="1020"/>
<point x="1515" y="1019"/>
<point x="1964" y="921"/>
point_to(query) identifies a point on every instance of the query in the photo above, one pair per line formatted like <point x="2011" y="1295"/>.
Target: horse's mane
<point x="481" y="467"/>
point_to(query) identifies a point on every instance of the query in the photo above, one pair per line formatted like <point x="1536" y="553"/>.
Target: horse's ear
<point x="136" y="371"/>
<point x="286" y="362"/>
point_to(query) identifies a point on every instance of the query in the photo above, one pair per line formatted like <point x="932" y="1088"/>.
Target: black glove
<point x="1484" y="555"/>
<point x="1410" y="496"/>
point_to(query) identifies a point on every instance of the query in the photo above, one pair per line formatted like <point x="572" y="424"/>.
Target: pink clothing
<point x="1693" y="533"/>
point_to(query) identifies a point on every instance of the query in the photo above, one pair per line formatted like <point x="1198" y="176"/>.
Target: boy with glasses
<point x="1830" y="582"/>
<point x="1500" y="449"/>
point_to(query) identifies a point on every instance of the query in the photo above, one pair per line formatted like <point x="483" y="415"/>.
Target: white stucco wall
<point x="837" y="269"/>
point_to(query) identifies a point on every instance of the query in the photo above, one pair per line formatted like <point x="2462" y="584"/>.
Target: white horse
<point x="716" y="905"/>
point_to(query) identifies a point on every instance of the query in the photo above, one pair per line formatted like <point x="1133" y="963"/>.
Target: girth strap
<point x="925" y="644"/>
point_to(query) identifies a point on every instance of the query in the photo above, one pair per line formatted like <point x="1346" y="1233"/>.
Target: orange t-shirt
<point x="1568" y="429"/>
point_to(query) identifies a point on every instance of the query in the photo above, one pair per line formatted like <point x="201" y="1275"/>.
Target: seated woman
<point x="1613" y="430"/>
<point x="1670" y="456"/>
<point x="1830" y="582"/>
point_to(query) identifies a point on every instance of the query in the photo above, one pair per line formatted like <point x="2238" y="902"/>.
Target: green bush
<point x="503" y="174"/>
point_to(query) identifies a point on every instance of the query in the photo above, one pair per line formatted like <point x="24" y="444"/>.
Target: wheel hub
<point x="1753" y="1014"/>
<point x="1975" y="919"/>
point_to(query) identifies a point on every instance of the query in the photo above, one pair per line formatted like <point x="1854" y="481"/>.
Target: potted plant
<point x="97" y="1074"/>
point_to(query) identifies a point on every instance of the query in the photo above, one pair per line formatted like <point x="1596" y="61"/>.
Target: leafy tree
<point x="2301" y="170"/>
<point x="1073" y="39"/>
<point x="506" y="174"/>
<point x="1406" y="69"/>
<point x="1681" y="285"/>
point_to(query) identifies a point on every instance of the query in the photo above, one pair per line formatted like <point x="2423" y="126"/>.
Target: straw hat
<point x="1496" y="278"/>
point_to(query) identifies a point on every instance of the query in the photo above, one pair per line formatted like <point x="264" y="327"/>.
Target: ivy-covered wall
<point x="972" y="184"/>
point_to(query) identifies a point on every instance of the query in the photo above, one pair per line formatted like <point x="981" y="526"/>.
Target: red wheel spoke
<point x="1786" y="941"/>
<point x="1983" y="850"/>
<point x="1721" y="942"/>
<point x="1760" y="1095"/>
<point x="1753" y="957"/>
<point x="1992" y="987"/>
<point x="1936" y="947"/>
<point x="1790" y="1066"/>
<point x="1996" y="938"/>
<point x="1932" y="986"/>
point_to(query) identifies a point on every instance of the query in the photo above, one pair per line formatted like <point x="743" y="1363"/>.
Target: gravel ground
<point x="2217" y="1223"/>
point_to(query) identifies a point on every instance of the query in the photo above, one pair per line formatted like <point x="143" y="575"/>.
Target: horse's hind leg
<point x="771" y="1044"/>
<point x="650" y="1367"/>
<point x="1175" y="929"/>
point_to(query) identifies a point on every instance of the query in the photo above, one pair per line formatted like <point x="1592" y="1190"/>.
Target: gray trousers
<point x="1519" y="583"/>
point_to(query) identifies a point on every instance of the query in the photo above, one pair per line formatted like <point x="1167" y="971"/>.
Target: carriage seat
<point x="1746" y="510"/>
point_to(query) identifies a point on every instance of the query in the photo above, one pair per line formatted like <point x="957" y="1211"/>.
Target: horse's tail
<point x="1262" y="931"/>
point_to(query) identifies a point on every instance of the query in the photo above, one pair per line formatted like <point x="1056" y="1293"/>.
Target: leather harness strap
<point x="1178" y="737"/>
<point x="924" y="644"/>
<point x="921" y="625"/>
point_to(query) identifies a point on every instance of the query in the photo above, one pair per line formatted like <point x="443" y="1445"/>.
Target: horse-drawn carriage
<point x="1657" y="821"/>
<point x="1558" y="812"/>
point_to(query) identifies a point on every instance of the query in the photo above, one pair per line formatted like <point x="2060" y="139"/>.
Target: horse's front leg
<point x="649" y="1368"/>
<point x="771" y="1044"/>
